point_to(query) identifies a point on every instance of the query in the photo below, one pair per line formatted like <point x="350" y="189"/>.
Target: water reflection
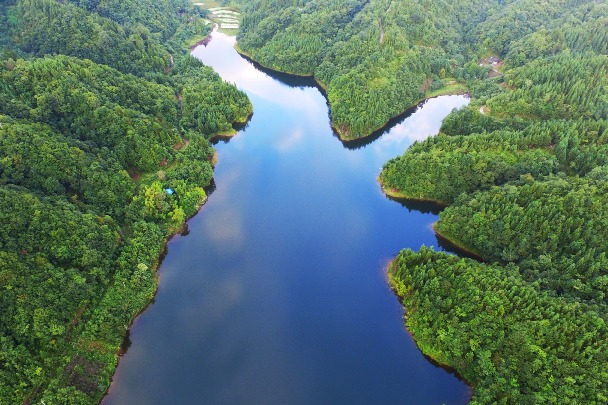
<point x="278" y="295"/>
<point x="386" y="129"/>
<point x="449" y="246"/>
<point x="290" y="141"/>
<point x="419" y="124"/>
<point x="289" y="80"/>
<point x="425" y="207"/>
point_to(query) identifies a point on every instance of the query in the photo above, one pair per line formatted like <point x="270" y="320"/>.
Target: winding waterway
<point x="278" y="293"/>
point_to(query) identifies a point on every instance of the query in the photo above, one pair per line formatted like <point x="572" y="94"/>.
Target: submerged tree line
<point x="523" y="170"/>
<point x="105" y="121"/>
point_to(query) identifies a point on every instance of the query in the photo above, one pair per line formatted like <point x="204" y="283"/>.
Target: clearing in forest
<point x="227" y="19"/>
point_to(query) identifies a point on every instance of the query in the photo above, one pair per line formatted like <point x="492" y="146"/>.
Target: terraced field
<point x="227" y="18"/>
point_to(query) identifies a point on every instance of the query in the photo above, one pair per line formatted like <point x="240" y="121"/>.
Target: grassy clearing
<point x="230" y="31"/>
<point x="195" y="40"/>
<point x="450" y="88"/>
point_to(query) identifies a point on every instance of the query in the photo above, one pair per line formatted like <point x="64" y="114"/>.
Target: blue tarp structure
<point x="169" y="191"/>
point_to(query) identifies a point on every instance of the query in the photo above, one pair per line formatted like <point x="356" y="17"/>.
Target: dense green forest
<point x="513" y="341"/>
<point x="376" y="58"/>
<point x="523" y="170"/>
<point x="101" y="109"/>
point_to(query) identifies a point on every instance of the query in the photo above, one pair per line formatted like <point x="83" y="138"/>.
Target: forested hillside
<point x="514" y="342"/>
<point x="101" y="110"/>
<point x="522" y="168"/>
<point x="377" y="58"/>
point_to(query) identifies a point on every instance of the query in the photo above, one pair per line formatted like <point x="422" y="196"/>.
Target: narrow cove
<point x="278" y="292"/>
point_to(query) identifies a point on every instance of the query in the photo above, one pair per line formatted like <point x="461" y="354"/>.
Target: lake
<point x="278" y="293"/>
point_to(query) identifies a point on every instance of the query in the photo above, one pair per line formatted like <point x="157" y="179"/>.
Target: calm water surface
<point x="278" y="294"/>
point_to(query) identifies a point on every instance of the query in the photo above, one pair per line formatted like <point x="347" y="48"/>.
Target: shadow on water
<point x="451" y="247"/>
<point x="425" y="207"/>
<point x="126" y="343"/>
<point x="320" y="342"/>
<point x="185" y="230"/>
<point x="450" y="370"/>
<point x="309" y="81"/>
<point x="210" y="188"/>
<point x="363" y="142"/>
<point x="237" y="126"/>
<point x="429" y="207"/>
<point x="240" y="126"/>
<point x="286" y="78"/>
<point x="220" y="138"/>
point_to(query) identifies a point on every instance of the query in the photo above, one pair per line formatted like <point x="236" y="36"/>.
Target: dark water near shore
<point x="278" y="294"/>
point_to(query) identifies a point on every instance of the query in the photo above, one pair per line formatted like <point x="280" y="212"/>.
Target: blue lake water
<point x="278" y="293"/>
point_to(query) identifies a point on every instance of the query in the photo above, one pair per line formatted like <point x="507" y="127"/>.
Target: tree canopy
<point x="377" y="58"/>
<point x="523" y="168"/>
<point x="95" y="123"/>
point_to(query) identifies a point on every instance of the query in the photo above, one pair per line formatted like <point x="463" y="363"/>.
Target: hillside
<point x="101" y="111"/>
<point x="522" y="168"/>
<point x="377" y="58"/>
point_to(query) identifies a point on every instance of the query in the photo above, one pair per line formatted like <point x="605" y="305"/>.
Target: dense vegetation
<point x="101" y="110"/>
<point x="513" y="341"/>
<point x="554" y="230"/>
<point x="87" y="148"/>
<point x="45" y="27"/>
<point x="378" y="57"/>
<point x="523" y="168"/>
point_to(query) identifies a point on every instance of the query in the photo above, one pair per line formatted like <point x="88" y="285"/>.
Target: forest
<point x="523" y="171"/>
<point x="377" y="58"/>
<point x="102" y="109"/>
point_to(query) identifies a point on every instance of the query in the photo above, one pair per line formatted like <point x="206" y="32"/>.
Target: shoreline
<point x="237" y="126"/>
<point x="154" y="270"/>
<point x="464" y="250"/>
<point x="458" y="245"/>
<point x="398" y="195"/>
<point x="341" y="135"/>
<point x="179" y="231"/>
<point x="390" y="193"/>
<point x="241" y="52"/>
<point x="320" y="85"/>
<point x="388" y="122"/>
<point x="448" y="368"/>
<point x="182" y="230"/>
<point x="203" y="41"/>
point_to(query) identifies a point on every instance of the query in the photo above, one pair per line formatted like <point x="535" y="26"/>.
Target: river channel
<point x="277" y="294"/>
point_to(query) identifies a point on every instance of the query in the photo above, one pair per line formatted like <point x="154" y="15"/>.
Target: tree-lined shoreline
<point x="106" y="123"/>
<point x="522" y="170"/>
